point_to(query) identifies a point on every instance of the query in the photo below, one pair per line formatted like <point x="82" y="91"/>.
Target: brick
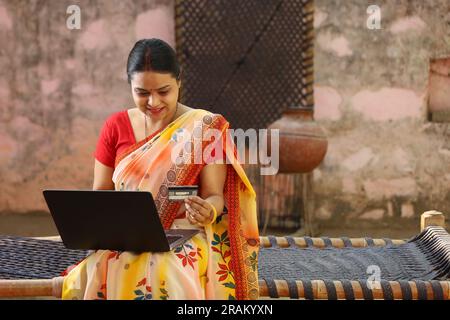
<point x="375" y="214"/>
<point x="388" y="104"/>
<point x="358" y="160"/>
<point x="327" y="101"/>
<point x="407" y="210"/>
<point x="380" y="189"/>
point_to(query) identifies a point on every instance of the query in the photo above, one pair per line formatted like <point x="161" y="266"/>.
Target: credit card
<point x="179" y="193"/>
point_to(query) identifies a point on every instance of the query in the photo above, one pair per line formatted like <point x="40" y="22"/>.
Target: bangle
<point x="215" y="213"/>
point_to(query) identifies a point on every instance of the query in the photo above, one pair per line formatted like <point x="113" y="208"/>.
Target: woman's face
<point x="155" y="94"/>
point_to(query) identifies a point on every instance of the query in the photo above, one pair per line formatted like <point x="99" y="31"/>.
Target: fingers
<point x="191" y="219"/>
<point x="198" y="210"/>
<point x="195" y="214"/>
<point x="197" y="203"/>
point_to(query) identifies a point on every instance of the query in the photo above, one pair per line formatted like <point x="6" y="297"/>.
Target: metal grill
<point x="247" y="60"/>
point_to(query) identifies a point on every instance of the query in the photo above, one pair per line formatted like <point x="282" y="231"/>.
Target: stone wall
<point x="58" y="85"/>
<point x="385" y="161"/>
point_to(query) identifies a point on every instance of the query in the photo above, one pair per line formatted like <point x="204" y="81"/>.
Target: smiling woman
<point x="154" y="75"/>
<point x="155" y="95"/>
<point x="134" y="153"/>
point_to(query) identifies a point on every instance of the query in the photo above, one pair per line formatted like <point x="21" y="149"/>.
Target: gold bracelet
<point x="215" y="213"/>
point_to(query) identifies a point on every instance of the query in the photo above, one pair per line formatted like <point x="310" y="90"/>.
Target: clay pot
<point x="303" y="143"/>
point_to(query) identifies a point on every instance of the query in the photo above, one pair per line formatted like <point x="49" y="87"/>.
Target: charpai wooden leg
<point x="432" y="218"/>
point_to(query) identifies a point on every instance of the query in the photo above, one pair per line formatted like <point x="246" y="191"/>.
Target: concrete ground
<point x="40" y="224"/>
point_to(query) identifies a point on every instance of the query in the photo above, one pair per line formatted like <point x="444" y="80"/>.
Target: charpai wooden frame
<point x="303" y="289"/>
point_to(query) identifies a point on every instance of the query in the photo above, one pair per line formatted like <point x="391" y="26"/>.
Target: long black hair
<point x="152" y="55"/>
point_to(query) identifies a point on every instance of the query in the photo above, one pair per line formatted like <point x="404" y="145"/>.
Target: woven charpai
<point x="417" y="264"/>
<point x="409" y="269"/>
<point x="28" y="258"/>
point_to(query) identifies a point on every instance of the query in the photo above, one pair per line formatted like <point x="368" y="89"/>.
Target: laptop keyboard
<point x="171" y="238"/>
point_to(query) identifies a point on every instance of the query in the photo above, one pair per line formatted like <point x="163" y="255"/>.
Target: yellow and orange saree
<point x="220" y="262"/>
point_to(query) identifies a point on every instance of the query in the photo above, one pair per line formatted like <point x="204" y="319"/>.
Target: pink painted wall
<point x="386" y="164"/>
<point x="57" y="86"/>
<point x="385" y="161"/>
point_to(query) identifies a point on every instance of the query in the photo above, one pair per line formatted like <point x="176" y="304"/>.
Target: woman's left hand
<point x="199" y="211"/>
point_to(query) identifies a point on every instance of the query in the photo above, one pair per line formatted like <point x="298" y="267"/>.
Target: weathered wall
<point x="58" y="85"/>
<point x="385" y="161"/>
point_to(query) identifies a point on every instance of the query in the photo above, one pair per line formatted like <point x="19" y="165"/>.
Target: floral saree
<point x="219" y="262"/>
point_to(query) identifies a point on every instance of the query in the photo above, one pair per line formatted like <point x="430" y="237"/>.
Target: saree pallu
<point x="220" y="262"/>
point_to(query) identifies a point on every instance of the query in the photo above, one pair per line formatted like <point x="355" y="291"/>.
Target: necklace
<point x="145" y="120"/>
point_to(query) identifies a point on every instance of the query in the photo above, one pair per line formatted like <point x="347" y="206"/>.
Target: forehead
<point x="151" y="80"/>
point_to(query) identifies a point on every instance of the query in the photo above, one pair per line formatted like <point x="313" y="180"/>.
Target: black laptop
<point x="113" y="220"/>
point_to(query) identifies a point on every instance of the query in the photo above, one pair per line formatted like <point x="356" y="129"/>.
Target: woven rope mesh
<point x="26" y="258"/>
<point x="425" y="257"/>
<point x="248" y="60"/>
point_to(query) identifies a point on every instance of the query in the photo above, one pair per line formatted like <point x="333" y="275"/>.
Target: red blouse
<point x="115" y="137"/>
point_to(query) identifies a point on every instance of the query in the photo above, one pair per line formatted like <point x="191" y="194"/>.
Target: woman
<point x="136" y="151"/>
